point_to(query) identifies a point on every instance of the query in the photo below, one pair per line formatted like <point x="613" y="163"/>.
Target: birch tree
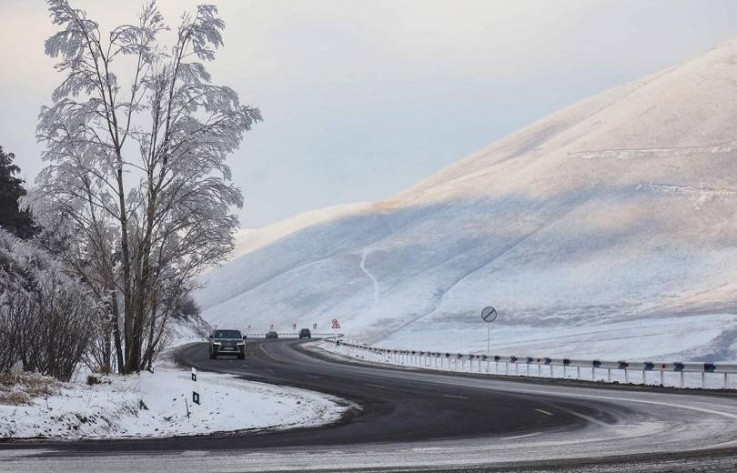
<point x="137" y="189"/>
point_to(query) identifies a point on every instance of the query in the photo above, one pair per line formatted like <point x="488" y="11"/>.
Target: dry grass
<point x="20" y="388"/>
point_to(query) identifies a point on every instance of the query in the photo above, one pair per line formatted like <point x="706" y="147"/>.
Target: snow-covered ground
<point x="608" y="228"/>
<point x="681" y="338"/>
<point x="153" y="405"/>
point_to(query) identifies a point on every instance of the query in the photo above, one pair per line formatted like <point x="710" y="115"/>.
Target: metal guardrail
<point x="292" y="334"/>
<point x="449" y="361"/>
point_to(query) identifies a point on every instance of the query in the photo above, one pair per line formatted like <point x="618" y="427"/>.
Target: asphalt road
<point x="425" y="421"/>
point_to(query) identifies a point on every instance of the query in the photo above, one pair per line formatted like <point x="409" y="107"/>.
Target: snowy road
<point x="423" y="421"/>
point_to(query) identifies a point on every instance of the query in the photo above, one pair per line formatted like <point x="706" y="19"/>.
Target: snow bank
<point x="153" y="405"/>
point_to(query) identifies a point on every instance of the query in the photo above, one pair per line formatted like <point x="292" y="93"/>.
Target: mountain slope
<point x="620" y="208"/>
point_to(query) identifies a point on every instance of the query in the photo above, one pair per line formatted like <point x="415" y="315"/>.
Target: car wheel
<point x="213" y="355"/>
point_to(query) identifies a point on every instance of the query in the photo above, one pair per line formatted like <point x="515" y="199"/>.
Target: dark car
<point x="227" y="342"/>
<point x="272" y="334"/>
<point x="305" y="333"/>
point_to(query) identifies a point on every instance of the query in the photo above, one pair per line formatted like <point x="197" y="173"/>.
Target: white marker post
<point x="195" y="394"/>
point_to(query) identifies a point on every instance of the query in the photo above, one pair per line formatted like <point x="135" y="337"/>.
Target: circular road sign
<point x="489" y="314"/>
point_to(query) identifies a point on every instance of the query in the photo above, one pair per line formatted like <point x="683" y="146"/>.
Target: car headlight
<point x="240" y="344"/>
<point x="216" y="343"/>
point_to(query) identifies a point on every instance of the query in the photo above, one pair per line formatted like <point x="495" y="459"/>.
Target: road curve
<point x="426" y="421"/>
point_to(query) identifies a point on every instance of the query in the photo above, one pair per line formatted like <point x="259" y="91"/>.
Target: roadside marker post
<point x="195" y="394"/>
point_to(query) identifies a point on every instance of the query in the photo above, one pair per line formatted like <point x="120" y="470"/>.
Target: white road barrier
<point x="673" y="374"/>
<point x="290" y="335"/>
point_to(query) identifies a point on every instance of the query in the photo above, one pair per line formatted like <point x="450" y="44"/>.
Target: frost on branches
<point x="46" y="317"/>
<point x="136" y="191"/>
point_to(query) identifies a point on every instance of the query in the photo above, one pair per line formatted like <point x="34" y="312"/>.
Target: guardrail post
<point x="662" y="378"/>
<point x="578" y="372"/>
<point x="551" y="370"/>
<point x="539" y="370"/>
<point x="506" y="368"/>
<point x="725" y="381"/>
<point x="593" y="373"/>
<point x="609" y="375"/>
<point x="703" y="380"/>
<point x="564" y="370"/>
<point x="644" y="376"/>
<point x="626" y="375"/>
<point x="683" y="375"/>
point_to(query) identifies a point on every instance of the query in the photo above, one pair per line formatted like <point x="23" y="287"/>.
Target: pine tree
<point x="12" y="218"/>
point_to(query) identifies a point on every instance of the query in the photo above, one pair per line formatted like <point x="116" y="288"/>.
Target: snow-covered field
<point x="153" y="405"/>
<point x="677" y="338"/>
<point x="608" y="229"/>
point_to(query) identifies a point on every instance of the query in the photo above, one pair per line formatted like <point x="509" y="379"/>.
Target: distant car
<point x="227" y="342"/>
<point x="305" y="333"/>
<point x="272" y="334"/>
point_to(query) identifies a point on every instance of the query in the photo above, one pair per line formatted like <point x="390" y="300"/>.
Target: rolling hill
<point x="606" y="229"/>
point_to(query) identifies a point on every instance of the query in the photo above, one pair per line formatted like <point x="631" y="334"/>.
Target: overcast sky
<point x="363" y="98"/>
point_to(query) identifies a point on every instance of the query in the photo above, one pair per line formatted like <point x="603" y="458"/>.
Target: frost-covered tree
<point x="137" y="190"/>
<point x="46" y="317"/>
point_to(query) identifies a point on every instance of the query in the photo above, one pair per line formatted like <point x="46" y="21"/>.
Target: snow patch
<point x="155" y="405"/>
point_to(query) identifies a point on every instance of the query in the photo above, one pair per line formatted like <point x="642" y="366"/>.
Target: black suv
<point x="271" y="335"/>
<point x="227" y="342"/>
<point x="305" y="333"/>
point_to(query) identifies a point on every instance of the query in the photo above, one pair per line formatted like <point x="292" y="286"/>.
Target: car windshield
<point x="227" y="334"/>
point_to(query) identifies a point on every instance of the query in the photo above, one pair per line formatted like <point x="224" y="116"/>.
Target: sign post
<point x="336" y="326"/>
<point x="488" y="315"/>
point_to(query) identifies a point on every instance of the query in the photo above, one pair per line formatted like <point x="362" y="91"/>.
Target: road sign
<point x="336" y="324"/>
<point x="271" y="327"/>
<point x="294" y="326"/>
<point x="314" y="326"/>
<point x="489" y="314"/>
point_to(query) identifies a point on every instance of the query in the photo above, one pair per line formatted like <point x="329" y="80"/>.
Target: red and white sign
<point x="271" y="327"/>
<point x="294" y="326"/>
<point x="336" y="324"/>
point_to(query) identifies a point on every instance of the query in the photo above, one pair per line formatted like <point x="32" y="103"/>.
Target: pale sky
<point x="361" y="99"/>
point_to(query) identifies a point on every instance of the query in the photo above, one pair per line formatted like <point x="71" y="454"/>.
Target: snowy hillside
<point x="620" y="208"/>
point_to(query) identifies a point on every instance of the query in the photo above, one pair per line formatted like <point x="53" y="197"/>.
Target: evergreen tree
<point x="12" y="218"/>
